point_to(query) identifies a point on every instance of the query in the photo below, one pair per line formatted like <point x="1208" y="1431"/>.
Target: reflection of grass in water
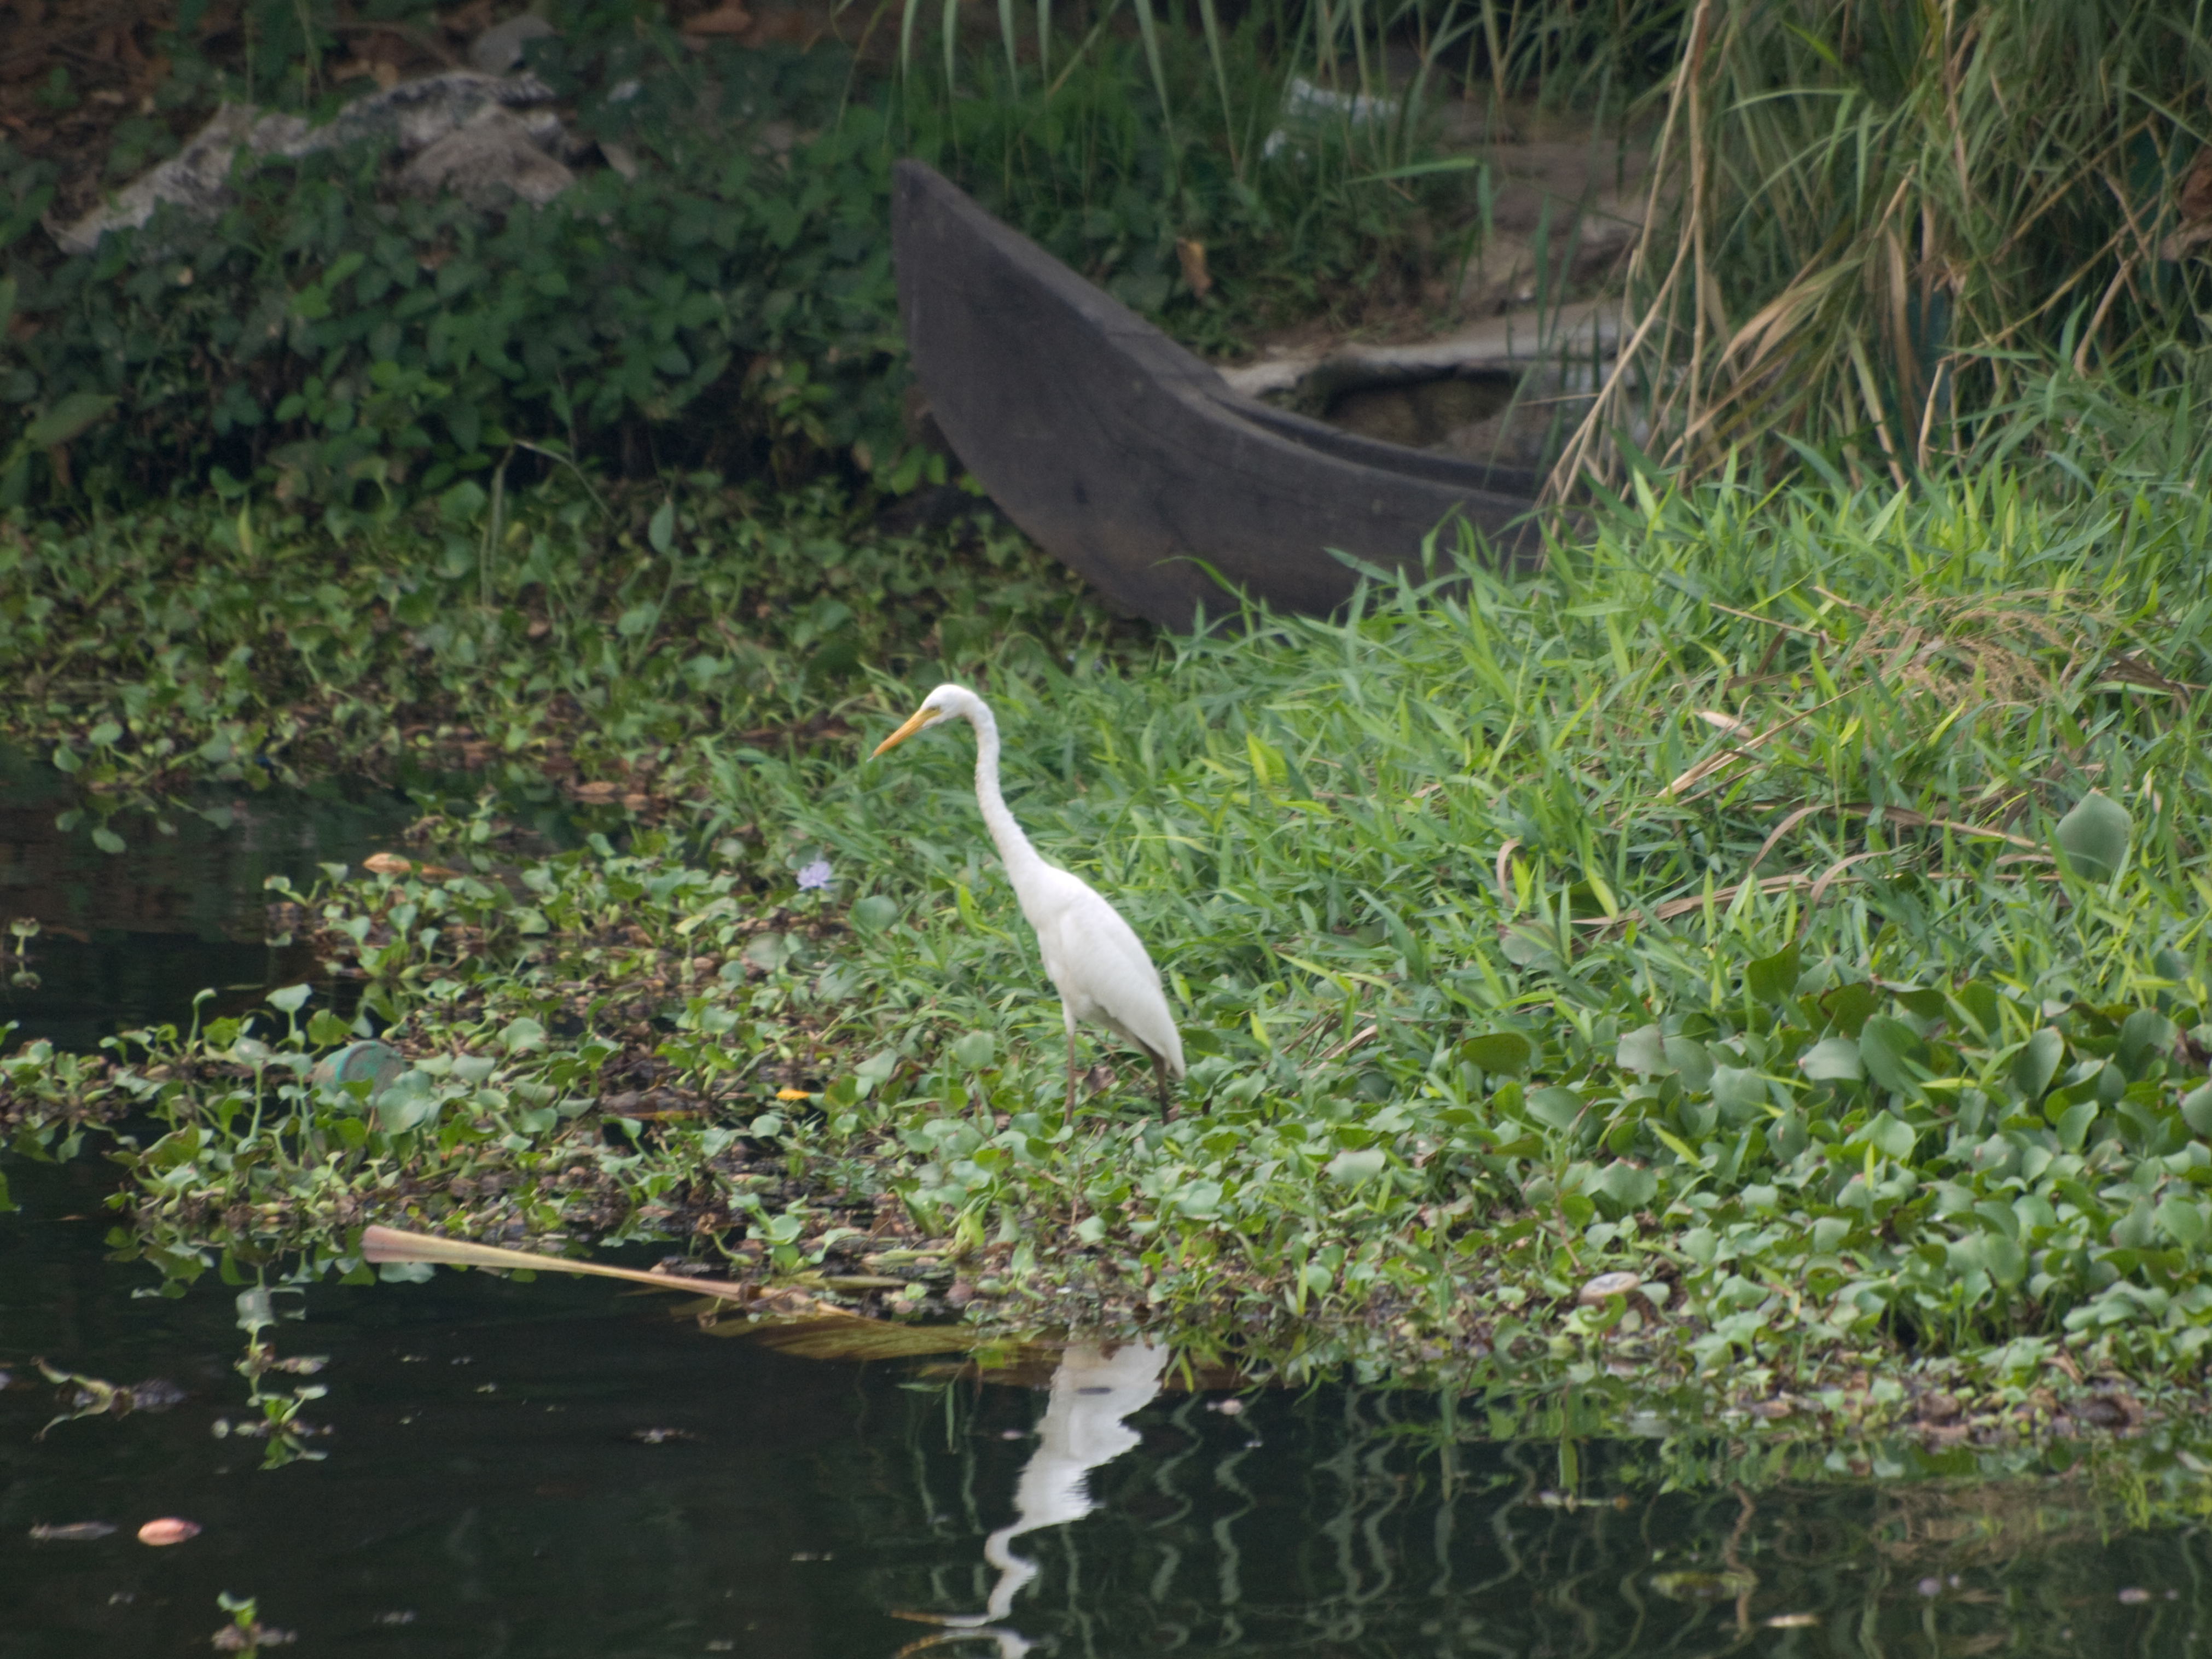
<point x="1340" y="1535"/>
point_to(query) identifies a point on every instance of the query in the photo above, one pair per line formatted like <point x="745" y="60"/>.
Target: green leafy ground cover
<point x="564" y="642"/>
<point x="1796" y="900"/>
<point x="731" y="305"/>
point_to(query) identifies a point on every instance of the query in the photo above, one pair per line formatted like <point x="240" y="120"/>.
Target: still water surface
<point x="555" y="1468"/>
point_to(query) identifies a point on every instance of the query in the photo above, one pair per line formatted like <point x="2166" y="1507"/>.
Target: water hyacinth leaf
<point x="1888" y="1134"/>
<point x="1740" y="1091"/>
<point x="1201" y="1199"/>
<point x="1353" y="1167"/>
<point x="1526" y="945"/>
<point x="768" y="951"/>
<point x="661" y="531"/>
<point x="1886" y="1046"/>
<point x="411" y="1101"/>
<point x="1773" y="978"/>
<point x="1697" y="1118"/>
<point x="874" y="913"/>
<point x="1922" y="1002"/>
<point x="976" y="1051"/>
<point x="2002" y="1259"/>
<point x="1832" y="1060"/>
<point x="291" y="999"/>
<point x="2182" y="1220"/>
<point x="1850" y="1007"/>
<point x="1628" y="1187"/>
<point x="1502" y="1054"/>
<point x="2072" y="1125"/>
<point x="2143" y="1034"/>
<point x="2036" y="1063"/>
<point x="522" y="1035"/>
<point x="2094" y="837"/>
<point x="1688" y="1059"/>
<point x="1980" y="999"/>
<point x="2137" y="1230"/>
<point x="2196" y="1110"/>
<point x="1556" y="1108"/>
<point x="1643" y="1050"/>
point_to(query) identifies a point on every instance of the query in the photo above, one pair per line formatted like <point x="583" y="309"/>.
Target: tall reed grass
<point x="1883" y="225"/>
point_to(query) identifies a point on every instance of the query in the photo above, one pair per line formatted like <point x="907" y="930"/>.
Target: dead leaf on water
<point x="844" y="1337"/>
<point x="391" y="863"/>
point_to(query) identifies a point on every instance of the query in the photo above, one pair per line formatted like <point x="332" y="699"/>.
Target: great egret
<point x="1095" y="958"/>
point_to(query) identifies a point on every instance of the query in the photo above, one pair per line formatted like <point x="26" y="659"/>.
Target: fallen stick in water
<point x="380" y="1244"/>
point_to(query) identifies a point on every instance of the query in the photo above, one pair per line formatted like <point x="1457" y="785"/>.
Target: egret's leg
<point x="1068" y="1014"/>
<point x="1160" y="1075"/>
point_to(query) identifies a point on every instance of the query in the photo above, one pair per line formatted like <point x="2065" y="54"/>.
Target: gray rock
<point x="196" y="179"/>
<point x="412" y="116"/>
<point x="490" y="163"/>
<point x="416" y="114"/>
<point x="499" y="48"/>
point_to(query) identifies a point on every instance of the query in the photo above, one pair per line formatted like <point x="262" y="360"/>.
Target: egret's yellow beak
<point x="920" y="718"/>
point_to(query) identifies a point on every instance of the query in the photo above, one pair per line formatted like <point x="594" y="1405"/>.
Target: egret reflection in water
<point x="1095" y="1390"/>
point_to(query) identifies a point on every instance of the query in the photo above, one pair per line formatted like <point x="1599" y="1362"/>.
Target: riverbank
<point x="1699" y="910"/>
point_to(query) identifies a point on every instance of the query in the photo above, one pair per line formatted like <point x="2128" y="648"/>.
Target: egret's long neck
<point x="1014" y="849"/>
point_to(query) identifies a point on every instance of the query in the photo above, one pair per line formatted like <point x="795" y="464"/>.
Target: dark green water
<point x="131" y="938"/>
<point x="555" y="1468"/>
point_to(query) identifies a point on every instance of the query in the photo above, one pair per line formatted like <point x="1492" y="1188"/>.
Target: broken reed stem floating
<point x="382" y="1244"/>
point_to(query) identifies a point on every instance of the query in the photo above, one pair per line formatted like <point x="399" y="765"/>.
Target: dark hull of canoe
<point x="1129" y="458"/>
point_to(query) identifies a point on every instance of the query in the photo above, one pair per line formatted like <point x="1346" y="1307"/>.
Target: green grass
<point x="1692" y="909"/>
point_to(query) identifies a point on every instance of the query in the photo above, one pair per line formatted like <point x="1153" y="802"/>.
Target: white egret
<point x="1094" y="956"/>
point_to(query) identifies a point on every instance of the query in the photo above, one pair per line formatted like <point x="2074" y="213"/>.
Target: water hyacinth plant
<point x="1792" y="899"/>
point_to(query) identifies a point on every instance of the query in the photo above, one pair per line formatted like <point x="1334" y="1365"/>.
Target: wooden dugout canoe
<point x="1131" y="460"/>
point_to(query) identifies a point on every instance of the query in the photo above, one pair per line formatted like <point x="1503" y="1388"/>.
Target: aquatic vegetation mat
<point x="560" y="644"/>
<point x="1792" y="904"/>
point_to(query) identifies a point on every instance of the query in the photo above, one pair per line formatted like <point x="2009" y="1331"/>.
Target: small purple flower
<point x="815" y="875"/>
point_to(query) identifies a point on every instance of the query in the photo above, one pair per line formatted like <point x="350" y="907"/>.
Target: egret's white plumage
<point x="1094" y="956"/>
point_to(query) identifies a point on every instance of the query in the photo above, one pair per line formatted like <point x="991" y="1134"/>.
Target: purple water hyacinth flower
<point x="814" y="875"/>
